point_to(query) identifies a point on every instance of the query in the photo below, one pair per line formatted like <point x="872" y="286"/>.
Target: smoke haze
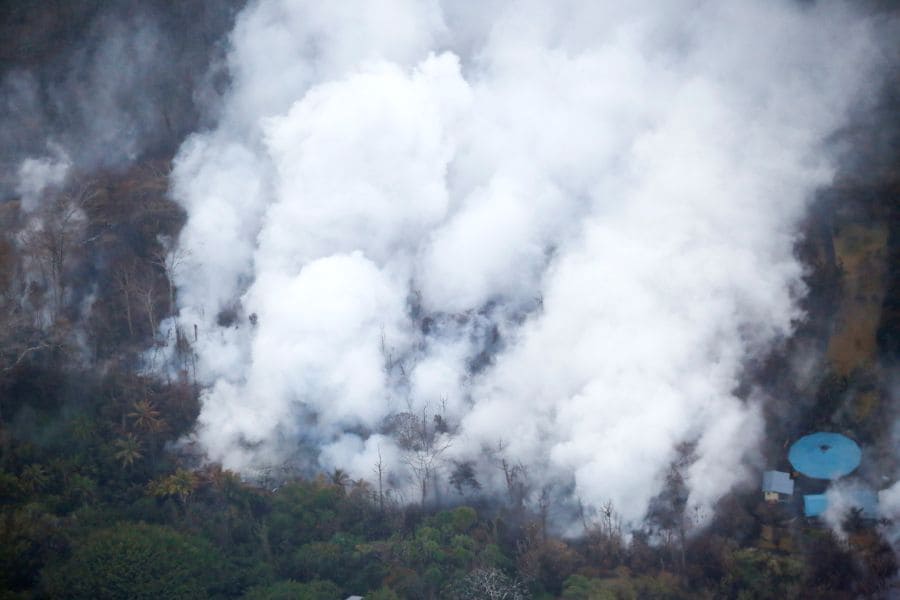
<point x="564" y="228"/>
<point x="99" y="85"/>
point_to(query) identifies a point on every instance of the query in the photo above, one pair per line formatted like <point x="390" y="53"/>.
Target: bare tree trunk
<point x="544" y="507"/>
<point x="379" y="470"/>
<point x="148" y="302"/>
<point x="128" y="316"/>
<point x="124" y="280"/>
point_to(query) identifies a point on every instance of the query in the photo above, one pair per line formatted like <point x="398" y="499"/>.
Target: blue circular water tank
<point x="825" y="455"/>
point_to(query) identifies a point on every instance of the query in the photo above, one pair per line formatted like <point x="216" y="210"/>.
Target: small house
<point x="865" y="501"/>
<point x="814" y="505"/>
<point x="777" y="486"/>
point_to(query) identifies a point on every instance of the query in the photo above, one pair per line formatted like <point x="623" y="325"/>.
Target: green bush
<point x="758" y="574"/>
<point x="137" y="561"/>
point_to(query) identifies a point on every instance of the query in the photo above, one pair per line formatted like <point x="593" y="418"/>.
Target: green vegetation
<point x="138" y="561"/>
<point x="205" y="534"/>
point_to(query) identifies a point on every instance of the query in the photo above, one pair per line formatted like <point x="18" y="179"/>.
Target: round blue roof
<point x="825" y="455"/>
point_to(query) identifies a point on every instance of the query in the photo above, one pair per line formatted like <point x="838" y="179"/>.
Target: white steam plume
<point x="566" y="226"/>
<point x="36" y="175"/>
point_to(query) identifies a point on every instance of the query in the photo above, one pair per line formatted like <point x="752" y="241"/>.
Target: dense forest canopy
<point x="417" y="300"/>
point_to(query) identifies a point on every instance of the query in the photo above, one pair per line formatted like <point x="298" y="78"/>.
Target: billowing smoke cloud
<point x="564" y="228"/>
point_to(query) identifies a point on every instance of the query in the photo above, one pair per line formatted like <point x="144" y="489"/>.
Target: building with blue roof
<point x="866" y="501"/>
<point x="814" y="505"/>
<point x="776" y="485"/>
<point x="825" y="455"/>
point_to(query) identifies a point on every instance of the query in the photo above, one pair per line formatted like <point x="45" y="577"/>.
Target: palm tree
<point x="146" y="417"/>
<point x="82" y="429"/>
<point x="181" y="484"/>
<point x="130" y="450"/>
<point x="83" y="489"/>
<point x="34" y="477"/>
<point x="340" y="478"/>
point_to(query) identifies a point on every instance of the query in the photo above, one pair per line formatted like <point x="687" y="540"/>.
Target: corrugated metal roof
<point x="778" y="481"/>
<point x="867" y="500"/>
<point x="814" y="505"/>
<point x="864" y="500"/>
